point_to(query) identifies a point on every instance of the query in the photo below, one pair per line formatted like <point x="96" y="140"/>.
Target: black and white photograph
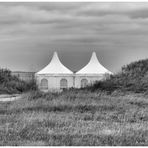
<point x="73" y="73"/>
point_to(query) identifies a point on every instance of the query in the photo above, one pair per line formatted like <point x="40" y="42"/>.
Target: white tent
<point x="55" y="67"/>
<point x="55" y="76"/>
<point x="93" y="67"/>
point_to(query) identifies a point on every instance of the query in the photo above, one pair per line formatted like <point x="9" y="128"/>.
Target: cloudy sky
<point x="31" y="32"/>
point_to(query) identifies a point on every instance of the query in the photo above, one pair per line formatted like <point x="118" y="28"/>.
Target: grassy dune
<point x="75" y="118"/>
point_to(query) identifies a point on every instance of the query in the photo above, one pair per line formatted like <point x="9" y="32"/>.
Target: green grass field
<point x="75" y="118"/>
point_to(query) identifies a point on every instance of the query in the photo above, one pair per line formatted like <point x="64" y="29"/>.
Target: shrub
<point x="133" y="77"/>
<point x="12" y="84"/>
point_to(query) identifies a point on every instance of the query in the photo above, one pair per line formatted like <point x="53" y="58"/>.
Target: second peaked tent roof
<point x="55" y="67"/>
<point x="93" y="67"/>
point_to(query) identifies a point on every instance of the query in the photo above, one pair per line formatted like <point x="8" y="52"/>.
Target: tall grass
<point x="77" y="119"/>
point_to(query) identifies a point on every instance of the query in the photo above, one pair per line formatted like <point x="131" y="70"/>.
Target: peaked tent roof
<point x="55" y="67"/>
<point x="93" y="67"/>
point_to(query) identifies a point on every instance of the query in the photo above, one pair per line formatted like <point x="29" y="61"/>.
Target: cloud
<point x="96" y="9"/>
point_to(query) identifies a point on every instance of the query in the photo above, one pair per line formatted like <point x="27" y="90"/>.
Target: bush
<point x="133" y="77"/>
<point x="11" y="84"/>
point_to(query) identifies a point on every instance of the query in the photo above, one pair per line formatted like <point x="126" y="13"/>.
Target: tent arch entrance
<point x="84" y="83"/>
<point x="44" y="84"/>
<point x="63" y="84"/>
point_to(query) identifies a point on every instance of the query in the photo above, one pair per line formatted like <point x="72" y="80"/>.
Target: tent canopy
<point x="55" y="67"/>
<point x="93" y="67"/>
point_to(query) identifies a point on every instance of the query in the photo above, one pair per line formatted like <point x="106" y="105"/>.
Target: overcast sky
<point x="31" y="32"/>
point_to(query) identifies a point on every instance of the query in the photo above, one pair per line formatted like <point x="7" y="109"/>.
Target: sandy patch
<point x="5" y="98"/>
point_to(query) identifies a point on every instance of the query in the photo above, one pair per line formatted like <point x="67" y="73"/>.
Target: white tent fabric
<point x="55" y="67"/>
<point x="93" y="67"/>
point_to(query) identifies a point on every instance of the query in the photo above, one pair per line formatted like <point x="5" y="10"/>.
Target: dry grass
<point x="75" y="118"/>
